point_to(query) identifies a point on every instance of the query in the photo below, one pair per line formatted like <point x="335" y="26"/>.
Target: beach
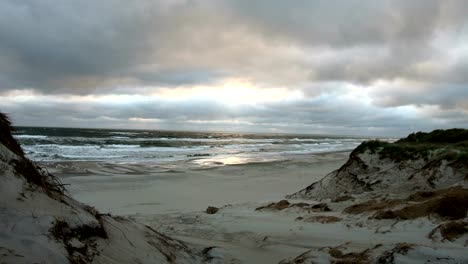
<point x="129" y="189"/>
<point x="242" y="198"/>
<point x="174" y="200"/>
<point x="144" y="171"/>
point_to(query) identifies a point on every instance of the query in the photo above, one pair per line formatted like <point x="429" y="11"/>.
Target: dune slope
<point x="41" y="224"/>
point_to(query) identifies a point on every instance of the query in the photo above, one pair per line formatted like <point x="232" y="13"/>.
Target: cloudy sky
<point x="341" y="67"/>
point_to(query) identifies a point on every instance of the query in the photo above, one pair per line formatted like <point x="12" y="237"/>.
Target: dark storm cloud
<point x="404" y="30"/>
<point x="340" y="24"/>
<point x="305" y="116"/>
<point x="406" y="60"/>
<point x="54" y="45"/>
<point x="447" y="96"/>
<point x="82" y="45"/>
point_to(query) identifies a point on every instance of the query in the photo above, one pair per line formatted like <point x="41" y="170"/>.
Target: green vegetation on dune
<point x="451" y="136"/>
<point x="451" y="145"/>
<point x="5" y="135"/>
<point x="23" y="166"/>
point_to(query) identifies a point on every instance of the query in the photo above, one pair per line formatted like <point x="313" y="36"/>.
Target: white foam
<point x="212" y="149"/>
<point x="29" y="136"/>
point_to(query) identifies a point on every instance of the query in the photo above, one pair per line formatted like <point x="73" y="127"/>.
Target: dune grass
<point x="451" y="145"/>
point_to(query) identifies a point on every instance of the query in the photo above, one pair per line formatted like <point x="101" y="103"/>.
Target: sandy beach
<point x="129" y="189"/>
<point x="173" y="200"/>
<point x="381" y="203"/>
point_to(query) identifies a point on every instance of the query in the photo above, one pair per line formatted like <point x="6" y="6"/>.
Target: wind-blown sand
<point x="174" y="200"/>
<point x="150" y="189"/>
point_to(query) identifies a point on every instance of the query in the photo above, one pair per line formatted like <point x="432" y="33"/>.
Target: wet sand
<point x="128" y="189"/>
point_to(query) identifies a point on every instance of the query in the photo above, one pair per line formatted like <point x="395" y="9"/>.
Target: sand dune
<point x="362" y="212"/>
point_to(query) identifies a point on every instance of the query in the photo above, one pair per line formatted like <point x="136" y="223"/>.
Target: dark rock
<point x="212" y="210"/>
<point x="212" y="255"/>
<point x="283" y="204"/>
<point x="300" y="205"/>
<point x="385" y="215"/>
<point x="321" y="207"/>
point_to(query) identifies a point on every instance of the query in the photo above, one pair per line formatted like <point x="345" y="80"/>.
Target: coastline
<point x="128" y="189"/>
<point x="173" y="199"/>
<point x="252" y="222"/>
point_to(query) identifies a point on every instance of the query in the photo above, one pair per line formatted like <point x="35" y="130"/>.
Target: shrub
<point x="453" y="135"/>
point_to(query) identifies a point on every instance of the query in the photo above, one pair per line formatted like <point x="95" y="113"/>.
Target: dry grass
<point x="321" y="207"/>
<point x="349" y="258"/>
<point x="323" y="219"/>
<point x="283" y="204"/>
<point x="342" y="198"/>
<point x="451" y="204"/>
<point x="451" y="230"/>
<point x="371" y="205"/>
<point x="305" y="257"/>
<point x="389" y="256"/>
<point x="422" y="196"/>
<point x="35" y="175"/>
<point x="300" y="205"/>
<point x="62" y="232"/>
<point x="5" y="136"/>
<point x="26" y="168"/>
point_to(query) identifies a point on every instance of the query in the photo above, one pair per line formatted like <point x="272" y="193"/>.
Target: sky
<point x="380" y="68"/>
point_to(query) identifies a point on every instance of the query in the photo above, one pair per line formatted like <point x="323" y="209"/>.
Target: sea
<point x="46" y="144"/>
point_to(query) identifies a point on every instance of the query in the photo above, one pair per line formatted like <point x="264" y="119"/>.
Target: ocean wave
<point x="121" y="146"/>
<point x="29" y="136"/>
<point x="168" y="147"/>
